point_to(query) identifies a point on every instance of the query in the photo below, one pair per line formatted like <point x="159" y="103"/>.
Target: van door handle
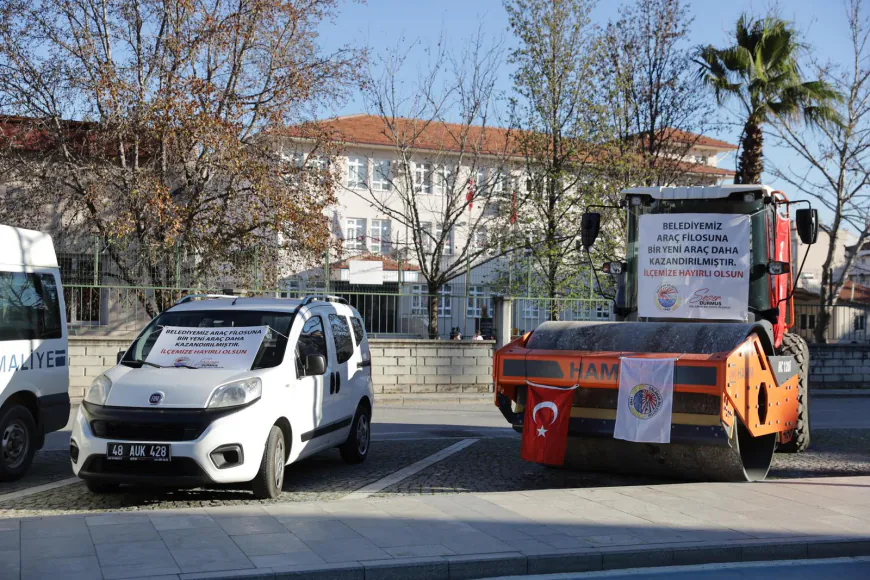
<point x="332" y="383"/>
<point x="337" y="381"/>
<point x="363" y="364"/>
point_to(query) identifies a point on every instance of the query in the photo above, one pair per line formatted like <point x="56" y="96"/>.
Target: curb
<point x="834" y="393"/>
<point x="562" y="561"/>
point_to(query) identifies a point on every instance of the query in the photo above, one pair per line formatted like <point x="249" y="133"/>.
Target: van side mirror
<point x="807" y="224"/>
<point x="590" y="224"/>
<point x="121" y="354"/>
<point x="315" y="364"/>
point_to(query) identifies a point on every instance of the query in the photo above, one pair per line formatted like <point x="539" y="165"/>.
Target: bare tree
<point x="838" y="160"/>
<point x="170" y="99"/>
<point x="449" y="163"/>
<point x="657" y="110"/>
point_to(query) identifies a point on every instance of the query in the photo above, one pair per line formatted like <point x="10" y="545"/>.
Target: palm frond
<point x="822" y="116"/>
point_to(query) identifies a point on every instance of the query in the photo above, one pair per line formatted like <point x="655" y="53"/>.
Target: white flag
<point x="646" y="400"/>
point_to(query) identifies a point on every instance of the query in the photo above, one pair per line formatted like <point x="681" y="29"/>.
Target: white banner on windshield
<point x="207" y="348"/>
<point x="693" y="265"/>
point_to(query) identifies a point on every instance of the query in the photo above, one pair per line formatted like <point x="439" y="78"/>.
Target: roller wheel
<point x="794" y="345"/>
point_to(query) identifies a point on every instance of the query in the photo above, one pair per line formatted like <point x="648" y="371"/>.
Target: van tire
<point x="18" y="441"/>
<point x="356" y="448"/>
<point x="101" y="487"/>
<point x="270" y="478"/>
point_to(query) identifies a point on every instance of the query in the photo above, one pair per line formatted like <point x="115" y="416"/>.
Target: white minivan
<point x="207" y="414"/>
<point x="34" y="378"/>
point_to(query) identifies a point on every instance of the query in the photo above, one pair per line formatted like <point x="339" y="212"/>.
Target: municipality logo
<point x="667" y="297"/>
<point x="644" y="401"/>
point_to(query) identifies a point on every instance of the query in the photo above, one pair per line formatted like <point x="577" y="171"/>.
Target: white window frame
<point x="423" y="178"/>
<point x="380" y="181"/>
<point x="420" y="301"/>
<point x="357" y="172"/>
<point x="355" y="233"/>
<point x="477" y="298"/>
<point x="448" y="246"/>
<point x="445" y="180"/>
<point x="377" y="240"/>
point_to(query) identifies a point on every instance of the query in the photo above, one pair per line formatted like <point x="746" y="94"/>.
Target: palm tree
<point x="762" y="73"/>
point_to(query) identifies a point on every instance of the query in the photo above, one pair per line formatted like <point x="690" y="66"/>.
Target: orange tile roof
<point x="365" y="129"/>
<point x="861" y="294"/>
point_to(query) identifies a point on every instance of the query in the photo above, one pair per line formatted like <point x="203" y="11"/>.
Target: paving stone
<point x="357" y="549"/>
<point x="141" y="571"/>
<point x="340" y="571"/>
<point x="117" y="533"/>
<point x="56" y="547"/>
<point x="53" y="527"/>
<point x="134" y="554"/>
<point x="269" y="544"/>
<point x="567" y="562"/>
<point x="184" y="539"/>
<point x="229" y="575"/>
<point x="210" y="559"/>
<point x="72" y="568"/>
<point x="421" y="551"/>
<point x="10" y="564"/>
<point x="292" y="559"/>
<point x="238" y="526"/>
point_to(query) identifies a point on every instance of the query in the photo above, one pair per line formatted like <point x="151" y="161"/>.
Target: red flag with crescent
<point x="545" y="427"/>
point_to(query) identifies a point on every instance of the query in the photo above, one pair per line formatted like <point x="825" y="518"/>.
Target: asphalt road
<point x="835" y="568"/>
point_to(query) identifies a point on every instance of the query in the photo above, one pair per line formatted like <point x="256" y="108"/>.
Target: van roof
<point x="27" y="248"/>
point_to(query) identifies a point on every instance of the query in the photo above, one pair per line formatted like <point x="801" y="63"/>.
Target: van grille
<point x="150" y="431"/>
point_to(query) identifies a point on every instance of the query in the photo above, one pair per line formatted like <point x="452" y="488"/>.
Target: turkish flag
<point x="545" y="427"/>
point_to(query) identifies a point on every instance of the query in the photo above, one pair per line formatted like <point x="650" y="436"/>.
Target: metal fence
<point x="124" y="310"/>
<point x="848" y="323"/>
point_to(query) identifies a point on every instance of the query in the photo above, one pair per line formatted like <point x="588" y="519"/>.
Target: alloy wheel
<point x="14" y="444"/>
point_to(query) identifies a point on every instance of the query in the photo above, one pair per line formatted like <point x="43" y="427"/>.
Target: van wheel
<point x="356" y="448"/>
<point x="101" y="487"/>
<point x="17" y="442"/>
<point x="270" y="478"/>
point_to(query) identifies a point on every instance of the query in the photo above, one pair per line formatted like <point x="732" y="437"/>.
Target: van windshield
<point x="271" y="352"/>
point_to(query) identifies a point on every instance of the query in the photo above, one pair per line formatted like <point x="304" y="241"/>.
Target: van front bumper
<point x="193" y="435"/>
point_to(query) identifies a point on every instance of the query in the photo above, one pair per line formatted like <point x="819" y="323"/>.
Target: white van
<point x="34" y="378"/>
<point x="186" y="408"/>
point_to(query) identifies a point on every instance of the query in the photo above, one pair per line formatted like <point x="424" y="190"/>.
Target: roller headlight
<point x="98" y="392"/>
<point x="236" y="393"/>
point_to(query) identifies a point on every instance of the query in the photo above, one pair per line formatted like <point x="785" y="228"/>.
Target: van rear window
<point x="29" y="307"/>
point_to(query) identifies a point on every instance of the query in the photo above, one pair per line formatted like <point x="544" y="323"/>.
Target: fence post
<point x="96" y="260"/>
<point x="502" y="320"/>
<point x="326" y="271"/>
<point x="178" y="263"/>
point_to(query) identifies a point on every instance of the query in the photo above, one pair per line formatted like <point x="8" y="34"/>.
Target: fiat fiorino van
<point x="34" y="378"/>
<point x="228" y="390"/>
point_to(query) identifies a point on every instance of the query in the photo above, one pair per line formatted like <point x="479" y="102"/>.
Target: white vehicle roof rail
<point x="323" y="298"/>
<point x="191" y="297"/>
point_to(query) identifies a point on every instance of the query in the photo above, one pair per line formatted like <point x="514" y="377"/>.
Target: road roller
<point x="707" y="281"/>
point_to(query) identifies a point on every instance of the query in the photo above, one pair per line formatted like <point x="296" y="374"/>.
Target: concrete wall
<point x="398" y="366"/>
<point x="839" y="366"/>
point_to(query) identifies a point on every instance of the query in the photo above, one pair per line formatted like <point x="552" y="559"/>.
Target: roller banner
<point x="693" y="266"/>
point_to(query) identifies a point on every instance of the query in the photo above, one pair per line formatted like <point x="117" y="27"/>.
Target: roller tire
<point x="794" y="345"/>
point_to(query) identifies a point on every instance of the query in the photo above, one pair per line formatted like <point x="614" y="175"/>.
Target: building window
<point x="480" y="183"/>
<point x="446" y="179"/>
<point x="701" y="159"/>
<point x="423" y="177"/>
<point x="498" y="181"/>
<point x="479" y="305"/>
<point x="357" y="172"/>
<point x="420" y="301"/>
<point x="382" y="175"/>
<point x="478" y="239"/>
<point x="860" y="322"/>
<point x="380" y="236"/>
<point x="355" y="234"/>
<point x="447" y="248"/>
<point x="808" y="321"/>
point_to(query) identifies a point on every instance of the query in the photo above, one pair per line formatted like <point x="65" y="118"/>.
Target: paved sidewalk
<point x="453" y="536"/>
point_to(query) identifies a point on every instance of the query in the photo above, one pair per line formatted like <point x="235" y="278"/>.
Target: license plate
<point x="138" y="452"/>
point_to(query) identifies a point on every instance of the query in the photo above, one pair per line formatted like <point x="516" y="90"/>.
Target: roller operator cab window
<point x="760" y="228"/>
<point x="271" y="353"/>
<point x="29" y="307"/>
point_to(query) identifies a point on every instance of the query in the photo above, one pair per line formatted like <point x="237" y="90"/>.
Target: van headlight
<point x="236" y="393"/>
<point x="98" y="392"/>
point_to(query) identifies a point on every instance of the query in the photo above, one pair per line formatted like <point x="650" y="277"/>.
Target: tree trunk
<point x="751" y="163"/>
<point x="432" y="288"/>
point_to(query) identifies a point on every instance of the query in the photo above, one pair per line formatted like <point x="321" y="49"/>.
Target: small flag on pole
<point x="513" y="207"/>
<point x="469" y="197"/>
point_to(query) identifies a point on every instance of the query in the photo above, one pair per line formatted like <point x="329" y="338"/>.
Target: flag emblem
<point x="644" y="401"/>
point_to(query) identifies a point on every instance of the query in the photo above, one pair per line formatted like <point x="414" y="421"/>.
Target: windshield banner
<point x="693" y="265"/>
<point x="207" y="348"/>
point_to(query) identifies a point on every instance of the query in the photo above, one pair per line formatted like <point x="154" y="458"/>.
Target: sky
<point x="383" y="24"/>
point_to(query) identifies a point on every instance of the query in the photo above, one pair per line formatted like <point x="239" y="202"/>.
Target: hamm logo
<point x="667" y="298"/>
<point x="155" y="398"/>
